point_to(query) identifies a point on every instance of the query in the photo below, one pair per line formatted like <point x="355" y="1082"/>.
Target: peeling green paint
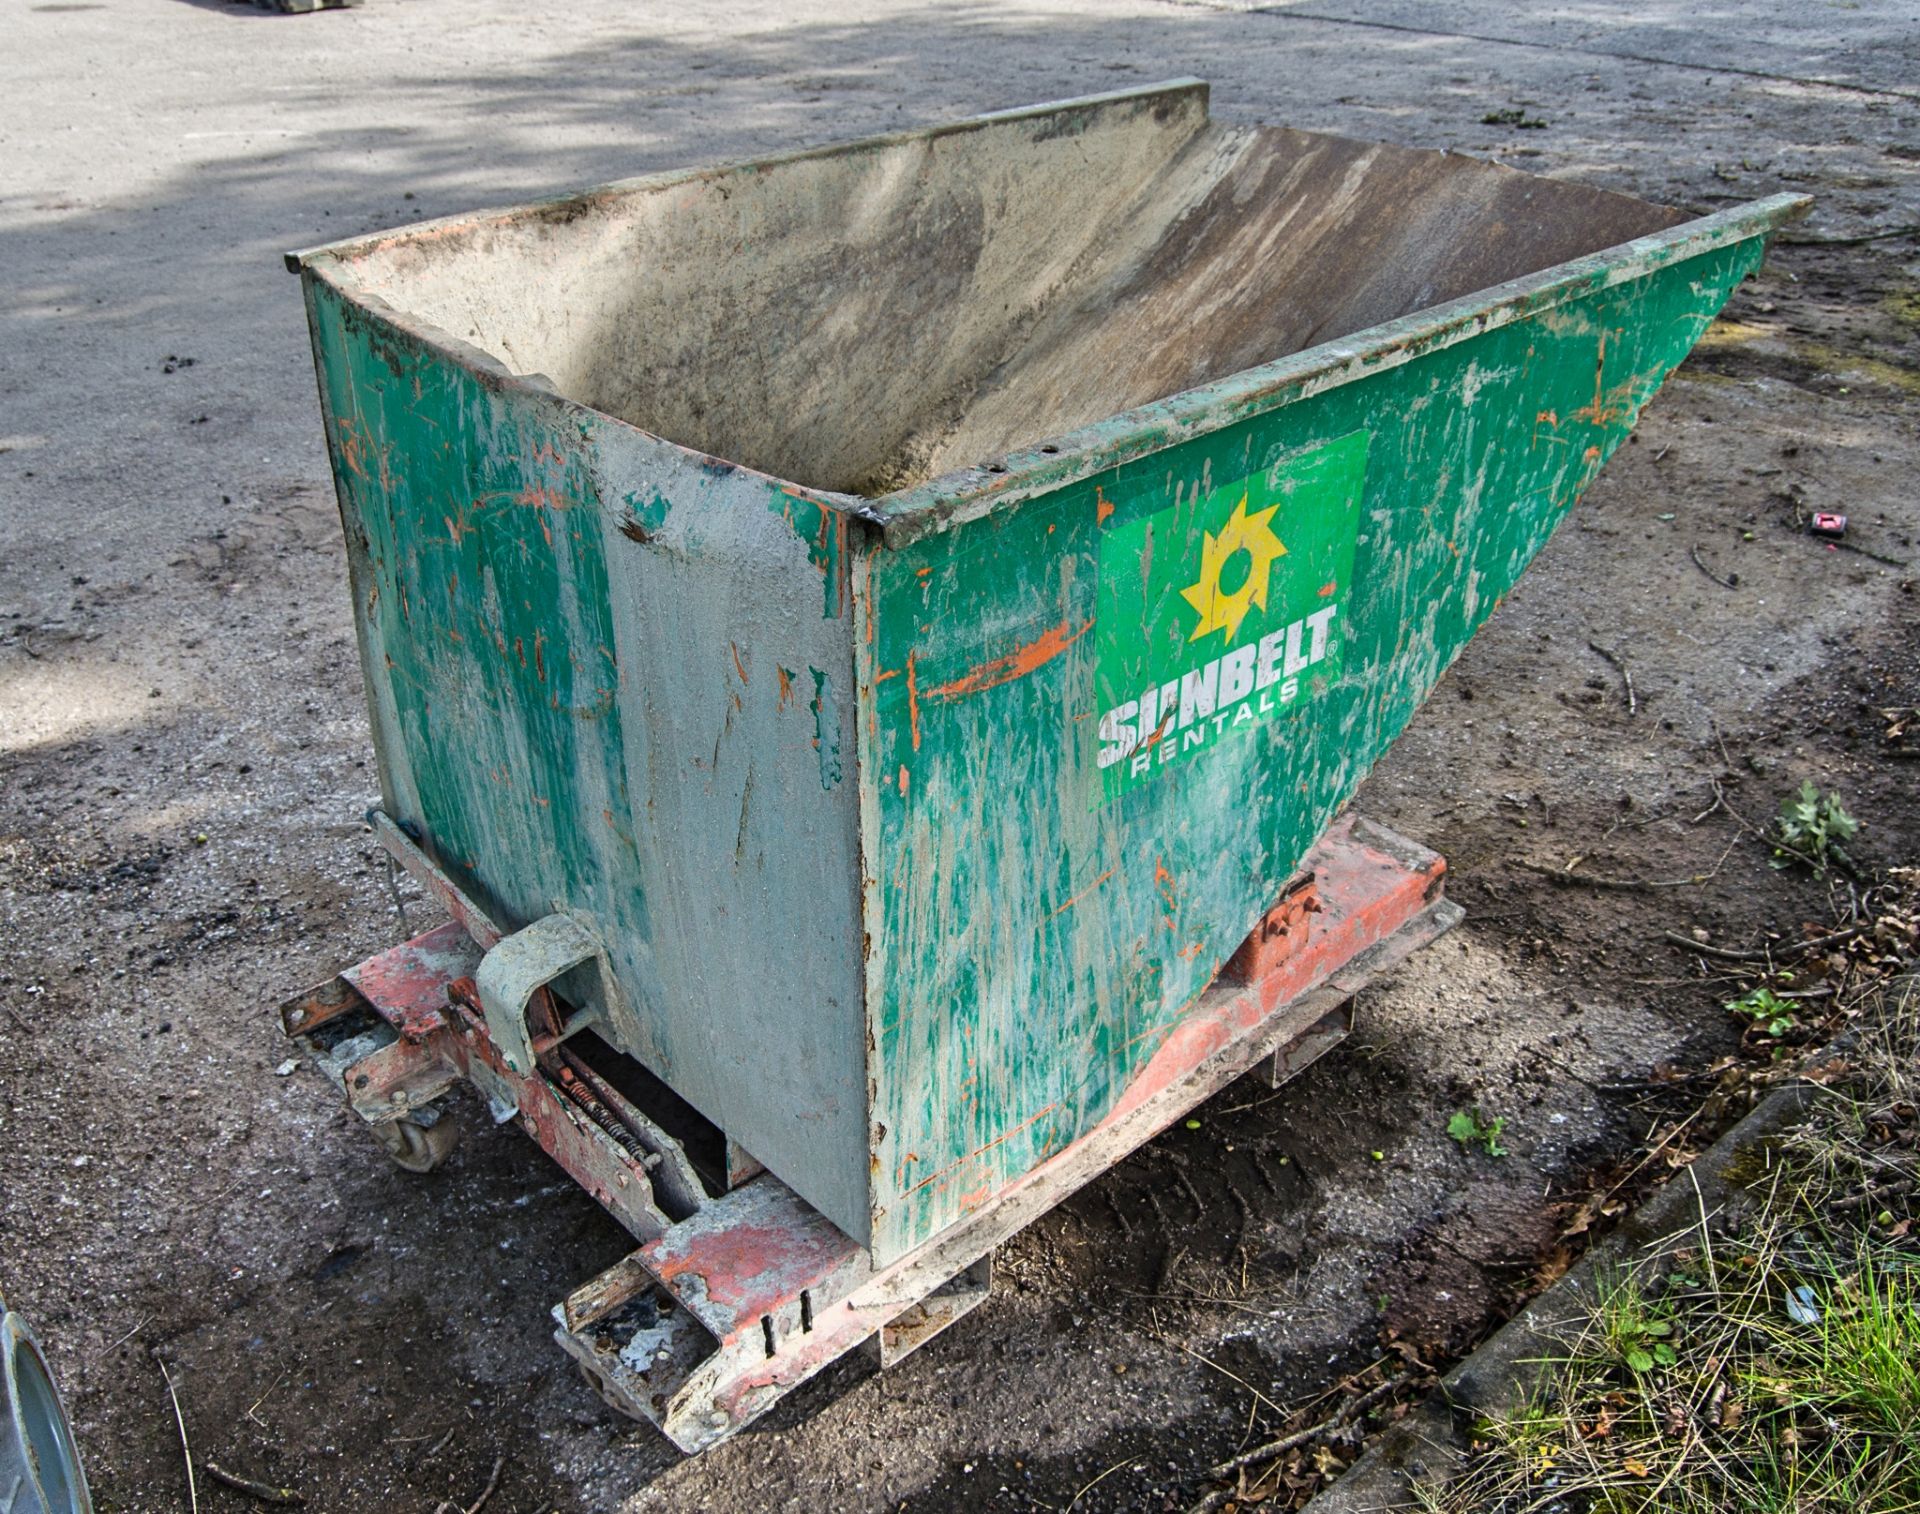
<point x="826" y="729"/>
<point x="583" y="647"/>
<point x="824" y="531"/>
<point x="1036" y="936"/>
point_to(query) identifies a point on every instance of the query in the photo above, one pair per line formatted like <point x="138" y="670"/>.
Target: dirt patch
<point x="172" y="862"/>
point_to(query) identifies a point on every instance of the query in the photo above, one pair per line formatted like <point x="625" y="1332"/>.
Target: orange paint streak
<point x="1160" y="1031"/>
<point x="903" y="780"/>
<point x="1326" y="590"/>
<point x="1016" y="664"/>
<point x="983" y="1150"/>
<point x="786" y="686"/>
<point x="352" y="449"/>
<point x="1084" y="892"/>
<point x="738" y="666"/>
<point x="1608" y="407"/>
<point x="1102" y="506"/>
<point x="883" y="677"/>
<point x="1163" y="881"/>
<point x="1188" y="953"/>
<point x="913" y="700"/>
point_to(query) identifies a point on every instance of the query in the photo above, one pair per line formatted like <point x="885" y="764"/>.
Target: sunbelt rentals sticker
<point x="1223" y="610"/>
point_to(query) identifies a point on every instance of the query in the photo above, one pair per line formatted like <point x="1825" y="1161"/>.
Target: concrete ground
<point x="184" y="753"/>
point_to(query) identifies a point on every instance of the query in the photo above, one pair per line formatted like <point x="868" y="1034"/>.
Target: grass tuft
<point x="1772" y="1369"/>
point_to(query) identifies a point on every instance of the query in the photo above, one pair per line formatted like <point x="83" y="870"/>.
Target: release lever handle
<point x="521" y="964"/>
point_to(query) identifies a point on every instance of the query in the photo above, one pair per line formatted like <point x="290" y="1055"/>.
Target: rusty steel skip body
<point x="860" y="641"/>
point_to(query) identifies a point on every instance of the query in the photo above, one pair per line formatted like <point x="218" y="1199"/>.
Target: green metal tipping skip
<point x="875" y="628"/>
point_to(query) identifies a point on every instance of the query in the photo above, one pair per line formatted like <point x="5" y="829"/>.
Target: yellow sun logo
<point x="1221" y="609"/>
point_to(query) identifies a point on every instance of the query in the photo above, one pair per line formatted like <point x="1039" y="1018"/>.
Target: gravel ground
<point x="185" y="755"/>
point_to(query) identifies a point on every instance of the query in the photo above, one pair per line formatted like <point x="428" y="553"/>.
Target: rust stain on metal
<point x="1076" y="898"/>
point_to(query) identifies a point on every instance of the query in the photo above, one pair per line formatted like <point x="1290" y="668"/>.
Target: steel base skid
<point x="739" y="1292"/>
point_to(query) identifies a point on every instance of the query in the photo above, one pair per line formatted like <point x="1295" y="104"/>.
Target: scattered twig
<point x="1694" y="553"/>
<point x="180" y="1421"/>
<point x="265" y="1492"/>
<point x="1719" y="740"/>
<point x="1652" y="1152"/>
<point x="1719" y="802"/>
<point x="1568" y="879"/>
<point x="1871" y="1196"/>
<point x="116" y="1345"/>
<point x="1633" y="704"/>
<point x="1765" y="954"/>
<point x="1881" y="557"/>
<point x="1260" y="1398"/>
<point x="1089" y="1487"/>
<point x="1341" y="1419"/>
<point x="262" y="1399"/>
<point x="1645" y="1085"/>
<point x="493" y="1481"/>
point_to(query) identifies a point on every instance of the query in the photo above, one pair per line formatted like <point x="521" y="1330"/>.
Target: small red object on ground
<point x="1828" y="523"/>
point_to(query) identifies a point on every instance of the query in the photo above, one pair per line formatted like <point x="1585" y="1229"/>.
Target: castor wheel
<point x="416" y="1144"/>
<point x="599" y="1385"/>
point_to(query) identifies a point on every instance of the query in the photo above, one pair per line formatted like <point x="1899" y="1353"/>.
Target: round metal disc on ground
<point x="40" y="1469"/>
